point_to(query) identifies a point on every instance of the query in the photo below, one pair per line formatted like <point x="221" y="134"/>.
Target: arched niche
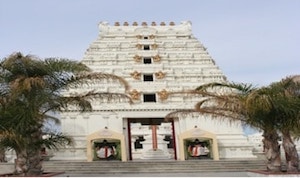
<point x="200" y="134"/>
<point x="110" y="136"/>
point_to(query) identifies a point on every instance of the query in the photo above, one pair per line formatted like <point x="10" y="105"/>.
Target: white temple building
<point x="155" y="59"/>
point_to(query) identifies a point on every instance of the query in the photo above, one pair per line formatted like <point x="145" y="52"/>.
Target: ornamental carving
<point x="154" y="46"/>
<point x="156" y="58"/>
<point x="135" y="24"/>
<point x="151" y="36"/>
<point x="153" y="24"/>
<point x="163" y="95"/>
<point x="144" y="24"/>
<point x="139" y="36"/>
<point x="162" y="24"/>
<point x="135" y="95"/>
<point x="139" y="46"/>
<point x="125" y="23"/>
<point x="160" y="75"/>
<point x="136" y="75"/>
<point x="137" y="58"/>
<point x="117" y="23"/>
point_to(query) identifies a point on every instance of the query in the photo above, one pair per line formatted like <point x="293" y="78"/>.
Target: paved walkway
<point x="205" y="174"/>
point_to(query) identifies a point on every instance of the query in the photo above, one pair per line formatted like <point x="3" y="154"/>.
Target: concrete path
<point x="205" y="174"/>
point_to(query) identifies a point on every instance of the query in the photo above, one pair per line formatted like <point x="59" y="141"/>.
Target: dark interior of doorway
<point x="147" y="121"/>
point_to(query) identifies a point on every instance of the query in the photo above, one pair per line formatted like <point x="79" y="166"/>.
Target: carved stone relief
<point x="135" y="95"/>
<point x="137" y="58"/>
<point x="154" y="46"/>
<point x="163" y="95"/>
<point x="156" y="58"/>
<point x="136" y="75"/>
<point x="160" y="75"/>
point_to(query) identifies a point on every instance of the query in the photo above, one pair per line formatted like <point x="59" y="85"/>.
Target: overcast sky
<point x="252" y="41"/>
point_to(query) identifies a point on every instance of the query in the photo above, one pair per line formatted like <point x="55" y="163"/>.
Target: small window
<point x="148" y="77"/>
<point x="147" y="60"/>
<point x="146" y="47"/>
<point x="149" y="98"/>
<point x="145" y="37"/>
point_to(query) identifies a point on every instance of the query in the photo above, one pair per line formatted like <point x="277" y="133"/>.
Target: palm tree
<point x="286" y="110"/>
<point x="273" y="109"/>
<point x="30" y="89"/>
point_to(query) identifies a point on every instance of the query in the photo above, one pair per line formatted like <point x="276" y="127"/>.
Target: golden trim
<point x="135" y="95"/>
<point x="139" y="46"/>
<point x="154" y="46"/>
<point x="160" y="75"/>
<point x="151" y="36"/>
<point x="163" y="95"/>
<point x="137" y="58"/>
<point x="136" y="75"/>
<point x="139" y="36"/>
<point x="156" y="58"/>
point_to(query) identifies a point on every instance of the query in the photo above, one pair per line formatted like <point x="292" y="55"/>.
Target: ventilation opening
<point x="149" y="98"/>
<point x="148" y="77"/>
<point x="147" y="60"/>
<point x="146" y="47"/>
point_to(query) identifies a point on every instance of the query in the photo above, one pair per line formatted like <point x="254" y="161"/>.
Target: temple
<point x="155" y="59"/>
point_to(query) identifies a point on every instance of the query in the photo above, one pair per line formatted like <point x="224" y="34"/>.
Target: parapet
<point x="118" y="27"/>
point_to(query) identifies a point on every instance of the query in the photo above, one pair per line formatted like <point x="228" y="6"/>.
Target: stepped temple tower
<point x="155" y="59"/>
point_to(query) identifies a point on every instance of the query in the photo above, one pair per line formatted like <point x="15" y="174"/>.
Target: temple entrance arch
<point x="194" y="135"/>
<point x="151" y="138"/>
<point x="109" y="138"/>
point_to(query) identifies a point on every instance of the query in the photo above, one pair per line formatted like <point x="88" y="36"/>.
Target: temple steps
<point x="156" y="166"/>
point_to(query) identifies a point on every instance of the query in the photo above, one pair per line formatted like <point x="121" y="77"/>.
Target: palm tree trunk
<point x="2" y="155"/>
<point x="291" y="154"/>
<point x="272" y="151"/>
<point x="20" y="163"/>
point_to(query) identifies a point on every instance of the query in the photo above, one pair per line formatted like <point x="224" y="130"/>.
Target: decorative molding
<point x="135" y="95"/>
<point x="163" y="95"/>
<point x="137" y="58"/>
<point x="136" y="75"/>
<point x="156" y="58"/>
<point x="160" y="75"/>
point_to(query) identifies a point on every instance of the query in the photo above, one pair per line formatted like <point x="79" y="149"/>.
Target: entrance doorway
<point x="151" y="138"/>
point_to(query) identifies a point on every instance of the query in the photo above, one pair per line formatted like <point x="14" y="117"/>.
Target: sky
<point x="252" y="41"/>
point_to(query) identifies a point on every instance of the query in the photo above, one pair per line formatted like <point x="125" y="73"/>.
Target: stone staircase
<point x="151" y="166"/>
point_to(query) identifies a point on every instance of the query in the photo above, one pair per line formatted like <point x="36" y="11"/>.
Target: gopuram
<point x="155" y="59"/>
